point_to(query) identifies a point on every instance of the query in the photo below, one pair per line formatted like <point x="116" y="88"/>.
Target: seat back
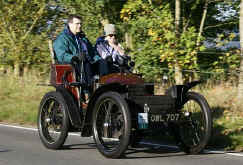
<point x="52" y="53"/>
<point x="59" y="72"/>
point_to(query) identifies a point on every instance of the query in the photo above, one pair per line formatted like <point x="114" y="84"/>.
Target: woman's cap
<point x="109" y="29"/>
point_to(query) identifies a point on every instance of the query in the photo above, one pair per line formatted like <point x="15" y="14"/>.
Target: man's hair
<point x="71" y="17"/>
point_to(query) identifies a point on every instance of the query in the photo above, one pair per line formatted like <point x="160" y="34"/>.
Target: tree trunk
<point x="25" y="70"/>
<point x="104" y="21"/>
<point x="178" y="73"/>
<point x="8" y="69"/>
<point x="16" y="70"/>
<point x="51" y="51"/>
<point x="177" y="16"/>
<point x="128" y="39"/>
<point x="202" y="23"/>
<point x="205" y="10"/>
<point x="2" y="69"/>
<point x="240" y="85"/>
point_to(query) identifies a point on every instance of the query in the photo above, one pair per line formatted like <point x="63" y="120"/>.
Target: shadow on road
<point x="151" y="152"/>
<point x="4" y="150"/>
<point x="141" y="151"/>
<point x="159" y="152"/>
<point x="79" y="146"/>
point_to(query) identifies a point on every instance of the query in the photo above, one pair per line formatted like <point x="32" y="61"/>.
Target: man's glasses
<point x="111" y="35"/>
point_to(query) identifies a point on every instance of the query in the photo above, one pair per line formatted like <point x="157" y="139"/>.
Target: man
<point x="71" y="47"/>
<point x="109" y="49"/>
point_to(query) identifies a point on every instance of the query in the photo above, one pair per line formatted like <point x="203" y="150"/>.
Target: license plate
<point x="142" y="120"/>
<point x="156" y="118"/>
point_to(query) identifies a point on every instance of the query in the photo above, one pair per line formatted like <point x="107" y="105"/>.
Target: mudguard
<point x="73" y="111"/>
<point x="116" y="87"/>
<point x="179" y="92"/>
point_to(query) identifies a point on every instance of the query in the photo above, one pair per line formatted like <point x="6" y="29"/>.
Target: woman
<point x="110" y="50"/>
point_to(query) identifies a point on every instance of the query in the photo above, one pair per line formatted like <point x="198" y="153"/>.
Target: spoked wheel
<point x="195" y="125"/>
<point x="53" y="122"/>
<point x="111" y="125"/>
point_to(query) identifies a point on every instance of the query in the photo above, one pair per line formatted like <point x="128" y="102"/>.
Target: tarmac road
<point x="22" y="146"/>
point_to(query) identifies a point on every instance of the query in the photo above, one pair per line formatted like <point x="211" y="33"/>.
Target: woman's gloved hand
<point x="109" y="59"/>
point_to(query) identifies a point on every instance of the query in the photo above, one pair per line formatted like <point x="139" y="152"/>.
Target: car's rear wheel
<point x="53" y="122"/>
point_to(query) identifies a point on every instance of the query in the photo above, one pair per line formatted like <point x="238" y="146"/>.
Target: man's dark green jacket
<point x="68" y="45"/>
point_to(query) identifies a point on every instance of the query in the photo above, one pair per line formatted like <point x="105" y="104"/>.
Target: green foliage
<point x="223" y="16"/>
<point x="156" y="43"/>
<point x="88" y="10"/>
<point x="94" y="13"/>
<point x="25" y="27"/>
<point x="222" y="65"/>
<point x="23" y="31"/>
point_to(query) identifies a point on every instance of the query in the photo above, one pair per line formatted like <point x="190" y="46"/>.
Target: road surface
<point x="22" y="146"/>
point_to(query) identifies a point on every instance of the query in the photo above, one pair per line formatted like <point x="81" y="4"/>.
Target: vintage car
<point x="122" y="108"/>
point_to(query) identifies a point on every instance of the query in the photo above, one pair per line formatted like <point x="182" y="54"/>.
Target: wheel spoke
<point x="51" y="120"/>
<point x="192" y="134"/>
<point x="195" y="127"/>
<point x="109" y="124"/>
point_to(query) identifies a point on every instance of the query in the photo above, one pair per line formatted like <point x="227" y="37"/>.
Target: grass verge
<point x="227" y="115"/>
<point x="20" y="98"/>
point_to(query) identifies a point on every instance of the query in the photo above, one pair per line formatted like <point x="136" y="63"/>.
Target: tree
<point x="178" y="73"/>
<point x="95" y="13"/>
<point x="23" y="29"/>
<point x="157" y="46"/>
<point x="240" y="86"/>
<point x="197" y="21"/>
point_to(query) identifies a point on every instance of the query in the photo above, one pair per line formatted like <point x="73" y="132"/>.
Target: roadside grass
<point x="20" y="99"/>
<point x="227" y="115"/>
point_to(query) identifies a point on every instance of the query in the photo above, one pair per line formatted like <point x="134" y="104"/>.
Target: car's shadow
<point x="138" y="152"/>
<point x="161" y="151"/>
<point x="151" y="152"/>
<point x="79" y="146"/>
<point x="141" y="151"/>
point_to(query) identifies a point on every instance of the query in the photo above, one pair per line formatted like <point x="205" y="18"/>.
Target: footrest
<point x="75" y="84"/>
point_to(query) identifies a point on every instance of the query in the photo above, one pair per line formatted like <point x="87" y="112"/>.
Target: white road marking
<point x="146" y="143"/>
<point x="3" y="150"/>
<point x="31" y="129"/>
<point x="18" y="127"/>
<point x="205" y="151"/>
<point x="235" y="154"/>
<point x="214" y="152"/>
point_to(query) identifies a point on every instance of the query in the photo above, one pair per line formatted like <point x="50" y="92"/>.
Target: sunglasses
<point x="111" y="35"/>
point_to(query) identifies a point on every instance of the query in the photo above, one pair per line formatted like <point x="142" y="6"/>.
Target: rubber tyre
<point x="54" y="118"/>
<point x="117" y="103"/>
<point x="206" y="120"/>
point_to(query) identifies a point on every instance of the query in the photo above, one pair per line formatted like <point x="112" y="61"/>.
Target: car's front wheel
<point x="111" y="124"/>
